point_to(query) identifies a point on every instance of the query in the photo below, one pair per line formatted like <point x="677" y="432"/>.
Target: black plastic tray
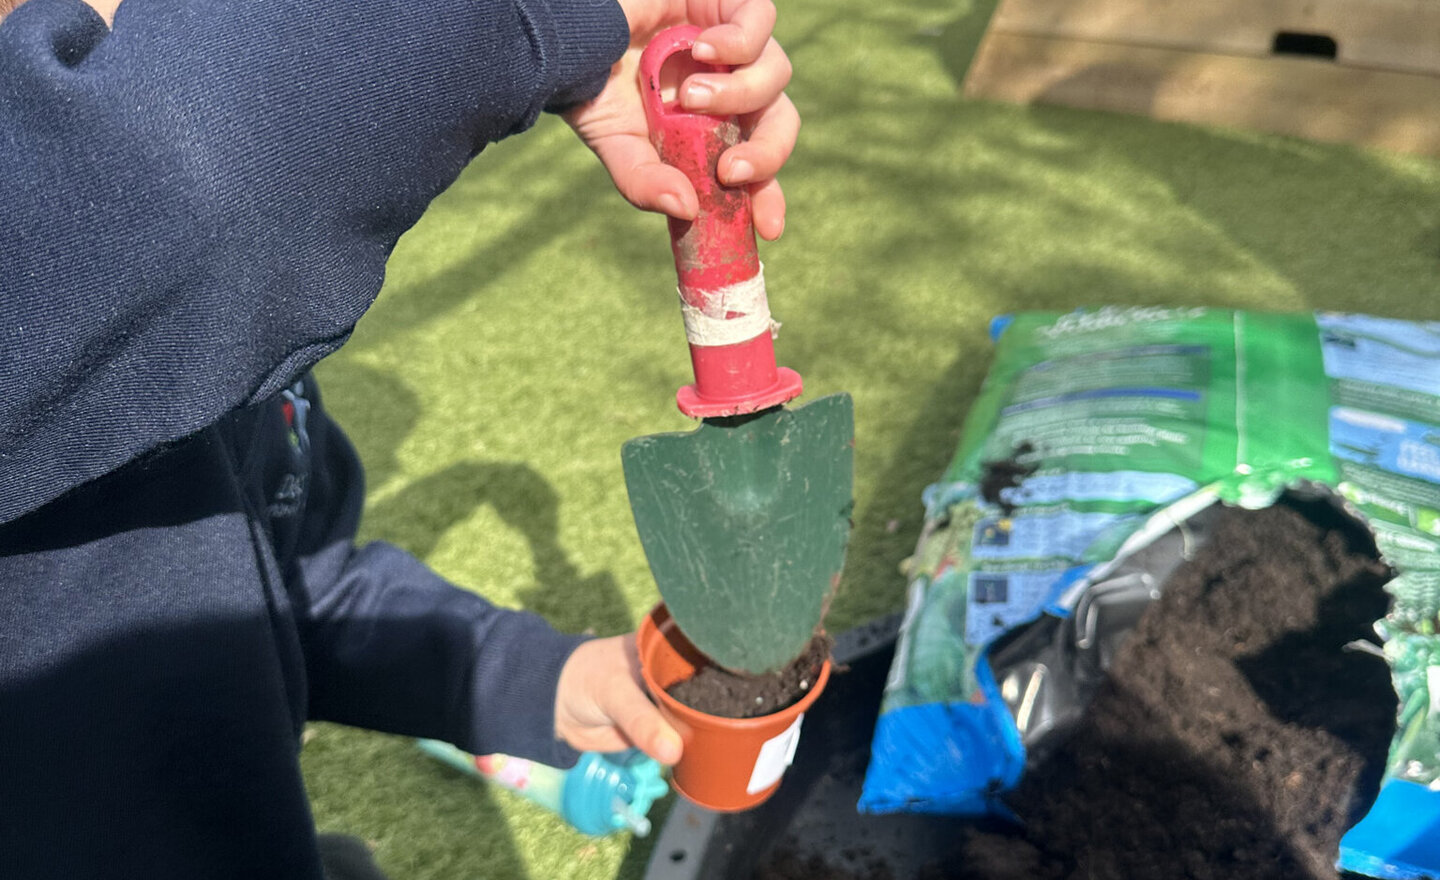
<point x="813" y="814"/>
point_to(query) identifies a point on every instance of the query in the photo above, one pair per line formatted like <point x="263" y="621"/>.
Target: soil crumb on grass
<point x="718" y="691"/>
<point x="1236" y="735"/>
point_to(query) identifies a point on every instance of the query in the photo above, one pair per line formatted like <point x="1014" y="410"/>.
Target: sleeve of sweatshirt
<point x="390" y="645"/>
<point x="199" y="202"/>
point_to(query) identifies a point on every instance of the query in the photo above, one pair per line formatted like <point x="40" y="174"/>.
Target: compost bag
<point x="1093" y="452"/>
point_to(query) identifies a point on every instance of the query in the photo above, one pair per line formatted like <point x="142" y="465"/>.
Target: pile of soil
<point x="718" y="691"/>
<point x="1236" y="736"/>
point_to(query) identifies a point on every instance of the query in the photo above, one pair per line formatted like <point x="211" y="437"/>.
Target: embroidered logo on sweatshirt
<point x="289" y="497"/>
<point x="296" y="407"/>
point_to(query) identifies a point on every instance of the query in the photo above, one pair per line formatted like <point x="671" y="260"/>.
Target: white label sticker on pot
<point x="775" y="756"/>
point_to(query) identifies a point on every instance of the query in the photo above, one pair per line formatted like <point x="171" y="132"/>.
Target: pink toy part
<point x="732" y="347"/>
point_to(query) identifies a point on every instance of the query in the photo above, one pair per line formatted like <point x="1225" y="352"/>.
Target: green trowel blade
<point x="744" y="522"/>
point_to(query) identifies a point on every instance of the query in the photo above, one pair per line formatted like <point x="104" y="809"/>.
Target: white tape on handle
<point x="745" y="302"/>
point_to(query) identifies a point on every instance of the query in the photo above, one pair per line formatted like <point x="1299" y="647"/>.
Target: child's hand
<point x="106" y="8"/>
<point x="737" y="33"/>
<point x="601" y="706"/>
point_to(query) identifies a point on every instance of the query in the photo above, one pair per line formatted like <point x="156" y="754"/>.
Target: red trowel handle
<point x="727" y="319"/>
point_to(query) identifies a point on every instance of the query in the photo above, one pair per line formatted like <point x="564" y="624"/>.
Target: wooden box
<point x="1356" y="71"/>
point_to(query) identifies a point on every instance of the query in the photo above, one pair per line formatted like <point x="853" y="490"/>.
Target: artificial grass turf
<point x="529" y="327"/>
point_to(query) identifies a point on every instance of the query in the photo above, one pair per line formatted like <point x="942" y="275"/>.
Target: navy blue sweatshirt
<point x="194" y="208"/>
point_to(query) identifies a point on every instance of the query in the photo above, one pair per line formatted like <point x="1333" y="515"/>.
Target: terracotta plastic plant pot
<point x="729" y="764"/>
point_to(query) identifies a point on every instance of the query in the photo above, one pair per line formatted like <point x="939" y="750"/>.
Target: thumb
<point x="642" y="724"/>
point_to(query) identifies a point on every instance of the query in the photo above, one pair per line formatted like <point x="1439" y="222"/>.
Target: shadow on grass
<point x="407" y="306"/>
<point x="562" y="192"/>
<point x="380" y="412"/>
<point x="433" y="821"/>
<point x="417" y="517"/>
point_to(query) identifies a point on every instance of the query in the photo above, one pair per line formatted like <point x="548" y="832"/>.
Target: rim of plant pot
<point x="728" y="764"/>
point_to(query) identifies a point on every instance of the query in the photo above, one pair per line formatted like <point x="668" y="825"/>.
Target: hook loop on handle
<point x="722" y="291"/>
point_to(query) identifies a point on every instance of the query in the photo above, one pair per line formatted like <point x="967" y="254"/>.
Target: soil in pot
<point x="1236" y="736"/>
<point x="718" y="691"/>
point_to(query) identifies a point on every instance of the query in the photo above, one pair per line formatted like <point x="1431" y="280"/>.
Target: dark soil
<point x="1235" y="737"/>
<point x="788" y="864"/>
<point x="718" y="691"/>
<point x="1008" y="473"/>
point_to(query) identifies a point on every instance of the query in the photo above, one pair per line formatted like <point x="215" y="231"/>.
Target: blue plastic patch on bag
<point x="1399" y="839"/>
<point x="952" y="786"/>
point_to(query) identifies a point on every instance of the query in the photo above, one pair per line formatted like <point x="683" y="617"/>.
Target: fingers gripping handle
<point x="722" y="290"/>
<point x="718" y="248"/>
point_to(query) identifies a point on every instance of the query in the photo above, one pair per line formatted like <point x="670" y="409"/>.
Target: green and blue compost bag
<point x="1118" y="426"/>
